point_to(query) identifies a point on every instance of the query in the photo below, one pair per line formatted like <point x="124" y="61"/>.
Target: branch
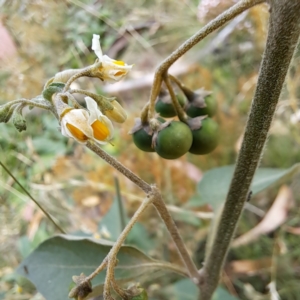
<point x="118" y="166"/>
<point x="157" y="202"/>
<point x="170" y="224"/>
<point x="284" y="30"/>
<point x="213" y="25"/>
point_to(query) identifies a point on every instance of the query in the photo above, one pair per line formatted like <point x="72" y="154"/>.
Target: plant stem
<point x="284" y="30"/>
<point x="90" y="71"/>
<point x="144" y="114"/>
<point x="191" y="42"/>
<point x="158" y="203"/>
<point x="29" y="195"/>
<point x="172" y="228"/>
<point x="179" y="110"/>
<point x="46" y="106"/>
<point x="120" y="204"/>
<point x="187" y="92"/>
<point x="112" y="256"/>
<point x="118" y="166"/>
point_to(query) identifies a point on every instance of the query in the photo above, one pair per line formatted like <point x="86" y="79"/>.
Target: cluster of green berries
<point x="171" y="139"/>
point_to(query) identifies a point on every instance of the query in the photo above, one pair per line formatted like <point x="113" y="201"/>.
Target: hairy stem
<point x="158" y="203"/>
<point x="90" y="71"/>
<point x="179" y="110"/>
<point x="172" y="228"/>
<point x="191" y="42"/>
<point x="284" y="30"/>
<point x="144" y="114"/>
<point x="120" y="204"/>
<point x="112" y="256"/>
<point x="187" y="92"/>
<point x="118" y="166"/>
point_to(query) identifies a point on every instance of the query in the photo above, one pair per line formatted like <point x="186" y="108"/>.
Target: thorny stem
<point x="112" y="256"/>
<point x="179" y="110"/>
<point x="284" y="30"/>
<point x="171" y="226"/>
<point x="191" y="42"/>
<point x="29" y="195"/>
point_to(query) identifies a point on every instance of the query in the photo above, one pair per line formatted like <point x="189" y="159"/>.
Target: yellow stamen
<point x="101" y="132"/>
<point x="119" y="62"/>
<point x="120" y="73"/>
<point x="77" y="133"/>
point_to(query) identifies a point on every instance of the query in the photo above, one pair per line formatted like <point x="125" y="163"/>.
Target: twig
<point x="29" y="195"/>
<point x="169" y="222"/>
<point x="158" y="203"/>
<point x="179" y="110"/>
<point x="112" y="256"/>
<point x="284" y="30"/>
<point x="191" y="42"/>
<point x="120" y="203"/>
<point x="118" y="166"/>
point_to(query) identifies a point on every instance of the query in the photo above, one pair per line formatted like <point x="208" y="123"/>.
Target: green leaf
<point x="215" y="183"/>
<point x="138" y="236"/>
<point x="52" y="264"/>
<point x="185" y="289"/>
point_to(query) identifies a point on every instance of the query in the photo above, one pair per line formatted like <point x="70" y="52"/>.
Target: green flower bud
<point x="55" y="87"/>
<point x="4" y="111"/>
<point x="19" y="121"/>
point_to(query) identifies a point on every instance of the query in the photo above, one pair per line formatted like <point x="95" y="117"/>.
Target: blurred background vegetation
<point x="42" y="38"/>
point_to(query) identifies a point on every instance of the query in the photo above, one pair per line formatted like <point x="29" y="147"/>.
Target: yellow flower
<point x="112" y="70"/>
<point x="82" y="125"/>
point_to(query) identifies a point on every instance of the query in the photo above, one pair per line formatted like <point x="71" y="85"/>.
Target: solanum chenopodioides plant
<point x="92" y="127"/>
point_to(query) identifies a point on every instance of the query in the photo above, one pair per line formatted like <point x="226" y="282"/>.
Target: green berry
<point x="205" y="139"/>
<point x="210" y="110"/>
<point x="165" y="108"/>
<point x="174" y="140"/>
<point x="143" y="140"/>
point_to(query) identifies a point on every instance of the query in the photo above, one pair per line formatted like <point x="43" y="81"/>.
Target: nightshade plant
<point x="92" y="127"/>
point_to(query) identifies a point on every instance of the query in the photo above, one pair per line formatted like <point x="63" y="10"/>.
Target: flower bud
<point x="4" y="112"/>
<point x="19" y="121"/>
<point x="53" y="88"/>
<point x="117" y="114"/>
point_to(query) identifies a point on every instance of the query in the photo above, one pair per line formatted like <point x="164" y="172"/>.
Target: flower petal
<point x="74" y="124"/>
<point x="97" y="47"/>
<point x="97" y="115"/>
<point x="92" y="107"/>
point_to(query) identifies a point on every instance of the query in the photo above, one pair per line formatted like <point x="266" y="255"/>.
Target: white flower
<point x="82" y="125"/>
<point x="112" y="70"/>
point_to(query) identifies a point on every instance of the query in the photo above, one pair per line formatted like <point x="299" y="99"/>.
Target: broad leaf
<point x="185" y="289"/>
<point x="138" y="236"/>
<point x="52" y="264"/>
<point x="215" y="183"/>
